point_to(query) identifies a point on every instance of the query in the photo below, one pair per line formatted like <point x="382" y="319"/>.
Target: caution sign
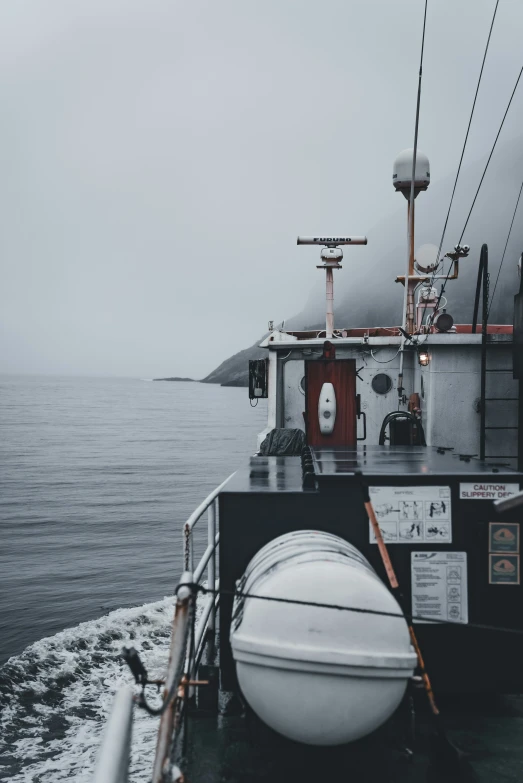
<point x="504" y="569"/>
<point x="504" y="537"/>
<point x="480" y="491"/>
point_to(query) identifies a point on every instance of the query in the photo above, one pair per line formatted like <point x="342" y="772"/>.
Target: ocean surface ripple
<point x="97" y="477"/>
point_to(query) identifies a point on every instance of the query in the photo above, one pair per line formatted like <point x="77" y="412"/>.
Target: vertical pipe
<point x="520" y="425"/>
<point x="211" y="571"/>
<point x="482" y="433"/>
<point x="329" y="322"/>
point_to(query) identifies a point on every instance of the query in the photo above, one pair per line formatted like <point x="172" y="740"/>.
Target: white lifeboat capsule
<point x="317" y="675"/>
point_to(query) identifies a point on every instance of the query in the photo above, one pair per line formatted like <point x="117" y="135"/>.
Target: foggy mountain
<point x="365" y="293"/>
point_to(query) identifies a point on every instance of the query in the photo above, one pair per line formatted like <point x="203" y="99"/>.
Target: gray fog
<point x="158" y="159"/>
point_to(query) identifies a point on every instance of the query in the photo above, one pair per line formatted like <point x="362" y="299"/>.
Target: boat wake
<point x="55" y="697"/>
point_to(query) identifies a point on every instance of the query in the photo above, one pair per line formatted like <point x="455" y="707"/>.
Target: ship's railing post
<point x="211" y="568"/>
<point x="170" y="721"/>
<point x="115" y="752"/>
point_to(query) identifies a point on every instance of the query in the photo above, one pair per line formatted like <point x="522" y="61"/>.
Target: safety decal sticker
<point x="504" y="537"/>
<point x="480" y="491"/>
<point x="439" y="586"/>
<point x="410" y="515"/>
<point x="504" y="569"/>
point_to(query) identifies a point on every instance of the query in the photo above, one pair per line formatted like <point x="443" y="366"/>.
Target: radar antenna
<point x="331" y="256"/>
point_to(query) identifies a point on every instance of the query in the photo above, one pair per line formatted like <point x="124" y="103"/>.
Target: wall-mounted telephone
<point x="258" y="379"/>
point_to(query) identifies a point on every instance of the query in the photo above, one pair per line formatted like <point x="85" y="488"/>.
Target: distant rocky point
<point x="176" y="379"/>
<point x="234" y="371"/>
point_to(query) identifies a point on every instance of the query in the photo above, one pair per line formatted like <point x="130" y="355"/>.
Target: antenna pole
<point x="329" y="316"/>
<point x="410" y="284"/>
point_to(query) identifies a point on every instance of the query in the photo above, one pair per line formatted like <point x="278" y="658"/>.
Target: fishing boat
<point x="363" y="565"/>
<point x="358" y="559"/>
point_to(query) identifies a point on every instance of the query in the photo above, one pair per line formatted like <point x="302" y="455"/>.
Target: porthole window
<point x="302" y="385"/>
<point x="381" y="383"/>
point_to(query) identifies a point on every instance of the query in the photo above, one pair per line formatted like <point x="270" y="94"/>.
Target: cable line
<point x="468" y="129"/>
<point x="490" y="156"/>
<point x="462" y="155"/>
<point x="239" y="594"/>
<point x="505" y="248"/>
<point x="482" y="177"/>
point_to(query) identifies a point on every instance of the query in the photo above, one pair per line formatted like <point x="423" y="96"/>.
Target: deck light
<point x="423" y="358"/>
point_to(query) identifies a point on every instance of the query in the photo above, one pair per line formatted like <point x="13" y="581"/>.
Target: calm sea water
<point x="97" y="477"/>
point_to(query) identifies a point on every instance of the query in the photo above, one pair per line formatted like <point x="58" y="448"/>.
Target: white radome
<point x="402" y="172"/>
<point x="315" y="675"/>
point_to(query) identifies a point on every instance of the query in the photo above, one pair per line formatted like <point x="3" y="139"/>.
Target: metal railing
<point x="205" y="568"/>
<point x="184" y="657"/>
<point x="115" y="752"/>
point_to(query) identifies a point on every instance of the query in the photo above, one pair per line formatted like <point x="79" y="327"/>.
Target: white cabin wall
<point x="453" y="417"/>
<point x="271" y="402"/>
<point x="449" y="396"/>
<point x="377" y="406"/>
<point x="293" y="396"/>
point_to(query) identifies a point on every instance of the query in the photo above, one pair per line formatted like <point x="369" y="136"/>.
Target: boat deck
<point x="239" y="749"/>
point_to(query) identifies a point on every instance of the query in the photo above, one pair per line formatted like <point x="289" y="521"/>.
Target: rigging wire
<point x="491" y="153"/>
<point x="505" y="249"/>
<point x="482" y="177"/>
<point x="468" y="130"/>
<point x="343" y="608"/>
<point x="461" y="157"/>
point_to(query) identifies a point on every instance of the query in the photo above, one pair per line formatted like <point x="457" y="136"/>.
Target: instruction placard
<point x="439" y="586"/>
<point x="487" y="491"/>
<point x="410" y="515"/>
<point x="504" y="569"/>
<point x="504" y="537"/>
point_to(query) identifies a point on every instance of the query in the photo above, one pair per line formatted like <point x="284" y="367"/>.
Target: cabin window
<point x="381" y="383"/>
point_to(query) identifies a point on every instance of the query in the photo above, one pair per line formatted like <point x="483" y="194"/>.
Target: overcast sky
<point x="158" y="159"/>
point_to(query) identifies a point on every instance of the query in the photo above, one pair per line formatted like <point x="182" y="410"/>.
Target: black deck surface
<point x="238" y="749"/>
<point x="284" y="474"/>
<point x="412" y="461"/>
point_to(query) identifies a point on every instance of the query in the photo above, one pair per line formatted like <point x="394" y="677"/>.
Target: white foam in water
<point x="56" y="696"/>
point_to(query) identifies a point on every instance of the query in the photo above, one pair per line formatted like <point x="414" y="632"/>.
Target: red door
<point x="342" y="374"/>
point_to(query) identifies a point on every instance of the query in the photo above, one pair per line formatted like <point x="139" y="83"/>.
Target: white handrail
<point x="193" y="519"/>
<point x="113" y="760"/>
<point x="196" y="514"/>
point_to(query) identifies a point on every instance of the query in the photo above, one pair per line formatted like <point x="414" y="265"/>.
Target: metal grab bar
<point x="508" y="504"/>
<point x="115" y="752"/>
